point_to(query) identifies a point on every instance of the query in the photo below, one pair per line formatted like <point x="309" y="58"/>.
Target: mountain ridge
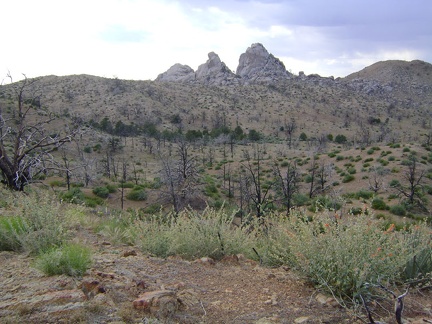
<point x="257" y="65"/>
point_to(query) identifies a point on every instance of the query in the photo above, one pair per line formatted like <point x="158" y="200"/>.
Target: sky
<point x="139" y="39"/>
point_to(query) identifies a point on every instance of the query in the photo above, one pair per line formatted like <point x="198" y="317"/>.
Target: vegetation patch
<point x="69" y="259"/>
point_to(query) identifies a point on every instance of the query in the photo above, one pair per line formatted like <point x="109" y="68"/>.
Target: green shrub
<point x="364" y="194"/>
<point x="69" y="259"/>
<point x="11" y="228"/>
<point x="379" y="204"/>
<point x="138" y="194"/>
<point x="322" y="203"/>
<point x="57" y="183"/>
<point x="75" y="195"/>
<point x="152" y="209"/>
<point x="394" y="183"/>
<point x="398" y="210"/>
<point x="102" y="192"/>
<point x="351" y="170"/>
<point x="340" y="139"/>
<point x="212" y="232"/>
<point x="111" y="188"/>
<point x="348" y="178"/>
<point x="37" y="225"/>
<point x="300" y="199"/>
<point x="356" y="210"/>
<point x="419" y="267"/>
<point x="344" y="257"/>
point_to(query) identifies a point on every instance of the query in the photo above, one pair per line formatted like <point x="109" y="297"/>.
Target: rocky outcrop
<point x="258" y="65"/>
<point x="177" y="73"/>
<point x="255" y="65"/>
<point x="215" y="72"/>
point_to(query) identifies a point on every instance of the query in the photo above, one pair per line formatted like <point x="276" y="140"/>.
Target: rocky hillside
<point x="391" y="99"/>
<point x="415" y="72"/>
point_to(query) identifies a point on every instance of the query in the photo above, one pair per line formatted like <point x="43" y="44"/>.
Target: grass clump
<point x="36" y="223"/>
<point x="212" y="231"/>
<point x="69" y="259"/>
<point x="344" y="256"/>
<point x="11" y="228"/>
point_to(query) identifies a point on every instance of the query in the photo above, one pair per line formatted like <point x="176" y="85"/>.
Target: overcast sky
<point x="139" y="39"/>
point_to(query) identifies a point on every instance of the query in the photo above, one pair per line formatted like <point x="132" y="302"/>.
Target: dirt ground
<point x="234" y="290"/>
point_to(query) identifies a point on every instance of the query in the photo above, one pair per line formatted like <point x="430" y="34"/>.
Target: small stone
<point x="230" y="259"/>
<point x="151" y="298"/>
<point x="206" y="260"/>
<point x="141" y="284"/>
<point x="105" y="275"/>
<point x="91" y="288"/>
<point x="129" y="253"/>
<point x="303" y="319"/>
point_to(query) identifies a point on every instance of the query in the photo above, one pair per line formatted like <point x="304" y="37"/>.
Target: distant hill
<point x="397" y="71"/>
<point x="395" y="95"/>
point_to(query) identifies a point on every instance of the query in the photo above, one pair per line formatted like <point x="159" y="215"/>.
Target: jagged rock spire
<point x="258" y="65"/>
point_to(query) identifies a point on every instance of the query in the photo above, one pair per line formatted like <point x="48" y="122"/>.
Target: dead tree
<point x="290" y="127"/>
<point x="25" y="131"/>
<point x="376" y="178"/>
<point x="287" y="183"/>
<point x="257" y="191"/>
<point x="412" y="188"/>
<point x="179" y="175"/>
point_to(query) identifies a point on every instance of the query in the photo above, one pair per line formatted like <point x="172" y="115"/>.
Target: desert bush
<point x="348" y="178"/>
<point x="379" y="204"/>
<point x="321" y="203"/>
<point x="102" y="192"/>
<point x="111" y="188"/>
<point x="75" y="195"/>
<point x="69" y="259"/>
<point x="152" y="235"/>
<point x="419" y="268"/>
<point x="364" y="194"/>
<point x="343" y="256"/>
<point x="212" y="231"/>
<point x="398" y="210"/>
<point x="300" y="199"/>
<point x="10" y="230"/>
<point x="137" y="194"/>
<point x="117" y="227"/>
<point x="340" y="139"/>
<point x="57" y="183"/>
<point x="36" y="223"/>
